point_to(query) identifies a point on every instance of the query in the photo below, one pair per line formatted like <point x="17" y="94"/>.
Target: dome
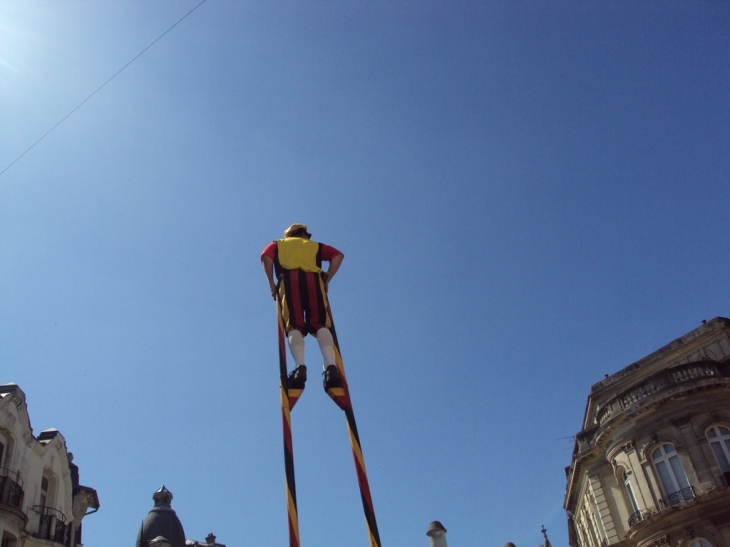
<point x="161" y="521"/>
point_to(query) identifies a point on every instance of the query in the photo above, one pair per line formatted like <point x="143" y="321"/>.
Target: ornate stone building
<point x="651" y="466"/>
<point x="41" y="501"/>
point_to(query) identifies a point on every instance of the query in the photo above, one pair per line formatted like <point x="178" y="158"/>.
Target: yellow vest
<point x="297" y="252"/>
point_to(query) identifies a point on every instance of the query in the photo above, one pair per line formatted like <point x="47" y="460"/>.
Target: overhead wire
<point x="102" y="85"/>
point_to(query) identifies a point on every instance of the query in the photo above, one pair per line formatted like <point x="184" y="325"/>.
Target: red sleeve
<point x="328" y="253"/>
<point x="270" y="250"/>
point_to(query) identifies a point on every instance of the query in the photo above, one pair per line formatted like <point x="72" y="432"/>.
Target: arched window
<point x="630" y="492"/>
<point x="671" y="475"/>
<point x="719" y="438"/>
<point x="635" y="513"/>
<point x="4" y="451"/>
<point x="47" y="492"/>
<point x="8" y="540"/>
<point x="700" y="542"/>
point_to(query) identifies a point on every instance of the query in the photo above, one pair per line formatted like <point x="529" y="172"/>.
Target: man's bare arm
<point x="268" y="265"/>
<point x="335" y="264"/>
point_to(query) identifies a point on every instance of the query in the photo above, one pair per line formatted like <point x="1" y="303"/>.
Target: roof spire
<point x="544" y="534"/>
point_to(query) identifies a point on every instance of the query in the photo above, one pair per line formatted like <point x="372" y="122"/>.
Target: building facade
<point x="42" y="503"/>
<point x="651" y="466"/>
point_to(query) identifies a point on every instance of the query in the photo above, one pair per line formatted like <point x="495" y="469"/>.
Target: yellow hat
<point x="294" y="228"/>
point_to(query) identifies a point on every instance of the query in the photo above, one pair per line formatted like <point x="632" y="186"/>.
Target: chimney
<point x="437" y="534"/>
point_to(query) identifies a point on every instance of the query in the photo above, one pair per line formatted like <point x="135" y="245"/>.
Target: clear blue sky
<point x="529" y="195"/>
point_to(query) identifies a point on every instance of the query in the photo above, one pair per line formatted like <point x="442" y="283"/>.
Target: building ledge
<point x="6" y="509"/>
<point x="703" y="505"/>
<point x="715" y="324"/>
<point x="662" y="384"/>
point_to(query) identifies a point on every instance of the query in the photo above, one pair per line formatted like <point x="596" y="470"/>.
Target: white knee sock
<point x="296" y="346"/>
<point x="326" y="346"/>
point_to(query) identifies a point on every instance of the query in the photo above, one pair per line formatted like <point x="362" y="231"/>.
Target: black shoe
<point x="332" y="378"/>
<point x="297" y="378"/>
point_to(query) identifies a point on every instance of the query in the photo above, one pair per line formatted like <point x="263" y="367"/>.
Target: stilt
<point x="341" y="397"/>
<point x="289" y="397"/>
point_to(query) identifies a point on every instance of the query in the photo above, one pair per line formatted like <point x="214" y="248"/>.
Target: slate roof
<point x="161" y="521"/>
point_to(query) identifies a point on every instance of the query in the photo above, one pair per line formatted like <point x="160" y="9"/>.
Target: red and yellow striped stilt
<point x="289" y="397"/>
<point x="341" y="397"/>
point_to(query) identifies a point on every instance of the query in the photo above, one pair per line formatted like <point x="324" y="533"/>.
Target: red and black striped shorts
<point x="303" y="301"/>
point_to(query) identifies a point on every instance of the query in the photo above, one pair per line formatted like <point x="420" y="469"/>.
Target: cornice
<point x="658" y="383"/>
<point x="716" y="324"/>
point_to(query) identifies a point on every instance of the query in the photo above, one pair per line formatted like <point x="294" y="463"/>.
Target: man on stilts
<point x="293" y="268"/>
<point x="302" y="287"/>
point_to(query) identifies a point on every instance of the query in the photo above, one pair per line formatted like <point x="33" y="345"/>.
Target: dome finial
<point x="162" y="497"/>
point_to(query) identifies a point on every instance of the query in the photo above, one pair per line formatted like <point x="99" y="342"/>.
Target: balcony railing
<point x="725" y="478"/>
<point x="11" y="488"/>
<point x="52" y="524"/>
<point x="637" y="517"/>
<point x="677" y="497"/>
<point x="666" y="379"/>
